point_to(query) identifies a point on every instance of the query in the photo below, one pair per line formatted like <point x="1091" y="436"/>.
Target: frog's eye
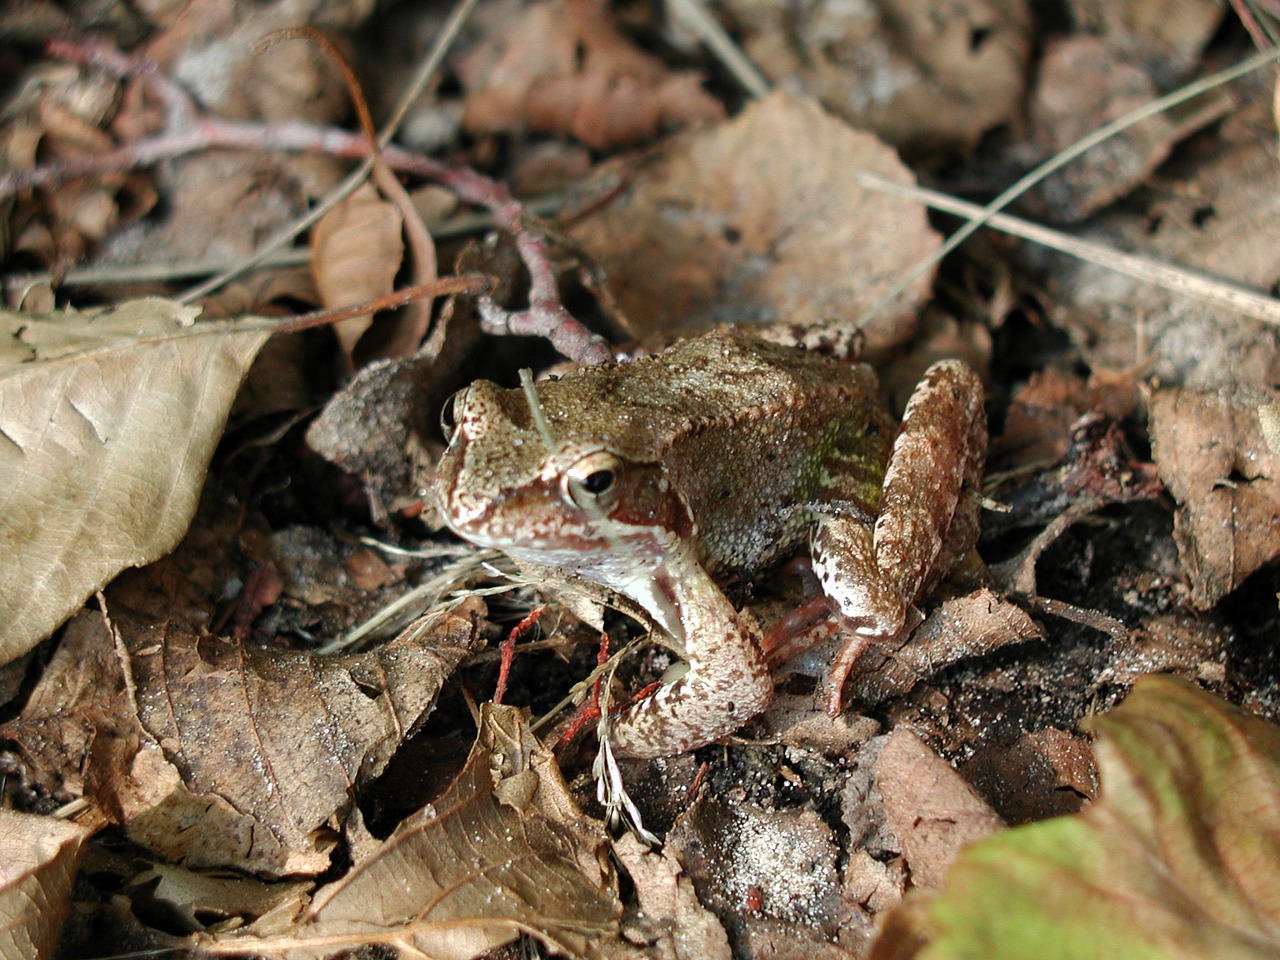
<point x="595" y="481"/>
<point x="449" y="413"/>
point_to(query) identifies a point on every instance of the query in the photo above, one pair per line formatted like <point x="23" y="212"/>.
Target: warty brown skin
<point x="666" y="478"/>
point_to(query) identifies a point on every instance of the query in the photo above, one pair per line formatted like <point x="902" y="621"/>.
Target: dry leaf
<point x="563" y="67"/>
<point x="929" y="807"/>
<point x="1220" y="213"/>
<point x="1047" y="773"/>
<point x="108" y="419"/>
<point x="1166" y="37"/>
<point x="266" y="746"/>
<point x="670" y="916"/>
<point x="356" y="252"/>
<point x="920" y="75"/>
<point x="56" y="726"/>
<point x="491" y="858"/>
<point x="968" y="626"/>
<point x="38" y="861"/>
<point x="761" y="221"/>
<point x="203" y="900"/>
<point x="1211" y="453"/>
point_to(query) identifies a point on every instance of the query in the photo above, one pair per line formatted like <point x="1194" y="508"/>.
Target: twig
<point x="546" y="315"/>
<point x="696" y="17"/>
<point x="457" y="226"/>
<point x="1171" y="277"/>
<point x="1063" y="157"/>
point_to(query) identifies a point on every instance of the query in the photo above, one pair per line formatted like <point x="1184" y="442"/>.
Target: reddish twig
<point x="190" y="131"/>
<point x="589" y="712"/>
<point x="508" y="649"/>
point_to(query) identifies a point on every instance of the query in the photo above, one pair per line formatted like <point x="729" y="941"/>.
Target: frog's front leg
<point x="727" y="683"/>
<point x="927" y="519"/>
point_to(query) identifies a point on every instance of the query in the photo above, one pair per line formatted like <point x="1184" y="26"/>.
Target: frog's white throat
<point x="656" y="570"/>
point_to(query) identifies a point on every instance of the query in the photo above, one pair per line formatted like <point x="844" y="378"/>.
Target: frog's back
<point x="643" y="410"/>
<point x="755" y="436"/>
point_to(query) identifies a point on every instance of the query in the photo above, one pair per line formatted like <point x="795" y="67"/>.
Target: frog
<point x="675" y="478"/>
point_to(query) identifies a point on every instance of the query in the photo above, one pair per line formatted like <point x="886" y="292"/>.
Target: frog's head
<point x="562" y="479"/>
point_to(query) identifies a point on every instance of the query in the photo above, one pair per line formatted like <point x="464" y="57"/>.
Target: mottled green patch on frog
<point x="848" y="464"/>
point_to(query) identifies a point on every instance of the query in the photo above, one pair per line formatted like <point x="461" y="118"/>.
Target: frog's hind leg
<point x="927" y="519"/>
<point x="728" y="681"/>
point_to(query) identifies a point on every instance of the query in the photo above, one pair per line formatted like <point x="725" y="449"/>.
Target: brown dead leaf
<point x="968" y="626"/>
<point x="210" y="49"/>
<point x="1084" y="84"/>
<point x="1047" y="773"/>
<point x="671" y="920"/>
<point x="920" y="76"/>
<point x="1166" y="38"/>
<point x="1219" y="213"/>
<point x="929" y="807"/>
<point x="56" y="726"/>
<point x="563" y="67"/>
<point x="491" y="858"/>
<point x="38" y="861"/>
<point x="759" y="221"/>
<point x="280" y="739"/>
<point x="356" y="252"/>
<point x="1211" y="454"/>
<point x="108" y="419"/>
<point x="199" y="901"/>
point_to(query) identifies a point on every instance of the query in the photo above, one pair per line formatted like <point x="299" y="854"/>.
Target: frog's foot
<point x="707" y="703"/>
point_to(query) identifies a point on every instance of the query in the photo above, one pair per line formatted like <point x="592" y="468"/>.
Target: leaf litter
<point x="191" y="718"/>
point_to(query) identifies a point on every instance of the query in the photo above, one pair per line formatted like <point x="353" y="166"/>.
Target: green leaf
<point x="1179" y="858"/>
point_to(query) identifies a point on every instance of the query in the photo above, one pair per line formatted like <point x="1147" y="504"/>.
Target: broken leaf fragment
<point x="38" y="861"/>
<point x="108" y="419"/>
<point x="1178" y="859"/>
<point x="1212" y="451"/>
<point x="500" y="853"/>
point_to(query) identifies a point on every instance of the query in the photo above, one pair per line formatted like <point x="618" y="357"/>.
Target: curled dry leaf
<point x="263" y="748"/>
<point x="563" y="67"/>
<point x="1178" y="859"/>
<point x="38" y="861"/>
<point x="1212" y="454"/>
<point x="356" y="251"/>
<point x="761" y="221"/>
<point x="500" y="853"/>
<point x="968" y="626"/>
<point x="108" y="419"/>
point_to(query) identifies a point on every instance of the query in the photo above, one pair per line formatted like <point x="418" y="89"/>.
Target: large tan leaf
<point x="38" y="861"/>
<point x="762" y="221"/>
<point x="502" y="851"/>
<point x="108" y="419"/>
<point x="222" y="754"/>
